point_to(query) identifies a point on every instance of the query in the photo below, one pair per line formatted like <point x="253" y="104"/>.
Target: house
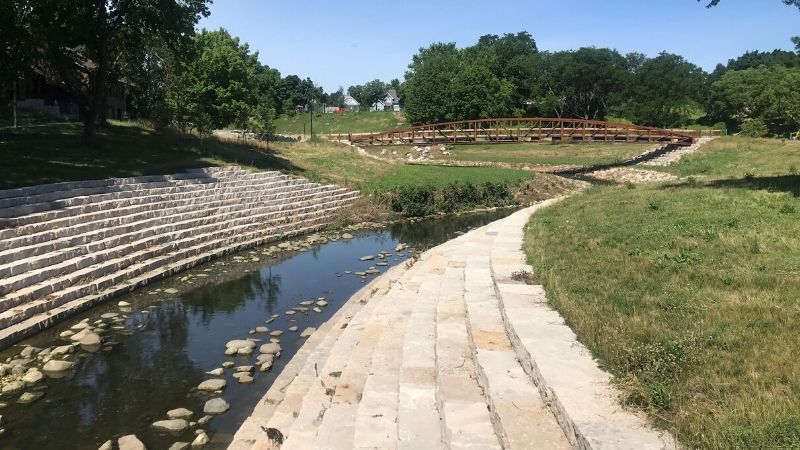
<point x="43" y="92"/>
<point x="350" y="103"/>
<point x="389" y="103"/>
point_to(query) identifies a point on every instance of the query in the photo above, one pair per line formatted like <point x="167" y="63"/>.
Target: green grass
<point x="688" y="292"/>
<point x="547" y="154"/>
<point x="339" y="123"/>
<point x="739" y="156"/>
<point x="58" y="153"/>
<point x="409" y="175"/>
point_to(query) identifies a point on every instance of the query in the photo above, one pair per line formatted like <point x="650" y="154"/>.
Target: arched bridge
<point x="511" y="130"/>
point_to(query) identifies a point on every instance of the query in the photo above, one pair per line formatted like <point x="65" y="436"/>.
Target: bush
<point x="754" y="128"/>
<point x="415" y="201"/>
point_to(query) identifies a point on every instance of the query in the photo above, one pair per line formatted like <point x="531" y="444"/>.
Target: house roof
<point x="350" y="101"/>
<point x="393" y="93"/>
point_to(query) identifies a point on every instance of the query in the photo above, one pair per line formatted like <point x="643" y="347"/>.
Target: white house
<point x="389" y="103"/>
<point x="350" y="103"/>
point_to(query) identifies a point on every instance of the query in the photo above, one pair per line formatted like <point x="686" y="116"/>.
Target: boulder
<point x="212" y="385"/>
<point x="272" y="348"/>
<point x="130" y="442"/>
<point x="13" y="386"/>
<point x="216" y="406"/>
<point x="200" y="440"/>
<point x="173" y="425"/>
<point x="32" y="376"/>
<point x="179" y="413"/>
<point x="56" y="365"/>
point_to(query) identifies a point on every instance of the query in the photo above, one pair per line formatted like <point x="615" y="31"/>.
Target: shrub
<point x="754" y="128"/>
<point x="415" y="201"/>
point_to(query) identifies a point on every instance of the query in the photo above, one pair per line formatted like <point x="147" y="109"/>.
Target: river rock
<point x="123" y="304"/>
<point x="367" y="258"/>
<point x="179" y="413"/>
<point x="218" y="372"/>
<point x="200" y="440"/>
<point x="29" y="351"/>
<point x="261" y="359"/>
<point x="203" y="420"/>
<point x="130" y="442"/>
<point x="179" y="446"/>
<point x="108" y="316"/>
<point x="29" y="397"/>
<point x="276" y="333"/>
<point x="261" y="329"/>
<point x="272" y="348"/>
<point x="243" y="377"/>
<point x="347" y="236"/>
<point x="316" y="309"/>
<point x="80" y="335"/>
<point x="308" y="332"/>
<point x="322" y="303"/>
<point x="13" y="386"/>
<point x="228" y="364"/>
<point x="107" y="445"/>
<point x="170" y="291"/>
<point x="173" y="425"/>
<point x="216" y="406"/>
<point x="293" y="328"/>
<point x="90" y="340"/>
<point x="55" y="365"/>
<point x="212" y="385"/>
<point x="66" y="334"/>
<point x="62" y="350"/>
<point x="244" y="369"/>
<point x="32" y="376"/>
<point x="80" y="326"/>
<point x="240" y="343"/>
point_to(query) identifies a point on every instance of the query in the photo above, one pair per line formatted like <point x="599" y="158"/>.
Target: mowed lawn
<point x="689" y="292"/>
<point x="407" y="175"/>
<point x="355" y="122"/>
<point x="531" y="153"/>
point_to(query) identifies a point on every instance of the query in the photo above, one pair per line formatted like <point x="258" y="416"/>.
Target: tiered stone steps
<point x="445" y="354"/>
<point x="67" y="246"/>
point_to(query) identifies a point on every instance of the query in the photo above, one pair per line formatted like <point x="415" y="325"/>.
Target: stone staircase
<point x="67" y="246"/>
<point x="447" y="353"/>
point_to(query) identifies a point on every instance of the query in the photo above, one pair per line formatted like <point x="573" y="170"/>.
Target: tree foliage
<point x="767" y="94"/>
<point x="663" y="89"/>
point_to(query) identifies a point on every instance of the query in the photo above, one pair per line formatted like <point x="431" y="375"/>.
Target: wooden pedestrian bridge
<point x="513" y="130"/>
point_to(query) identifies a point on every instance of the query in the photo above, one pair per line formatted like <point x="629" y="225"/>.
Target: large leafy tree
<point x="429" y="79"/>
<point x="478" y="94"/>
<point x="219" y="86"/>
<point x="88" y="42"/>
<point x="665" y="89"/>
<point x="19" y="24"/>
<point x="583" y="84"/>
<point x="767" y="94"/>
<point x="511" y="58"/>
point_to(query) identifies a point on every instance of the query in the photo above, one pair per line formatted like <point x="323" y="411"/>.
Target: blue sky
<point x="354" y="41"/>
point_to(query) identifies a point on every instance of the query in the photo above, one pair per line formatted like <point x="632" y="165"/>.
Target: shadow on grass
<point x="777" y="183"/>
<point x="54" y="154"/>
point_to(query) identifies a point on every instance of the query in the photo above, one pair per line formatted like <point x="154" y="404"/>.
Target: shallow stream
<point x="176" y="329"/>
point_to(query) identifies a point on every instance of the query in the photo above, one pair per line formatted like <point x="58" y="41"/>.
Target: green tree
<point x="767" y="94"/>
<point x="584" y="84"/>
<point x="665" y="89"/>
<point x="429" y="78"/>
<point x="86" y="42"/>
<point x="335" y="99"/>
<point x="478" y="94"/>
<point x="220" y="84"/>
<point x="512" y="58"/>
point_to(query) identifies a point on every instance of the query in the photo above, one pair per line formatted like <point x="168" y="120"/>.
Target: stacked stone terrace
<point x="67" y="246"/>
<point x="450" y="353"/>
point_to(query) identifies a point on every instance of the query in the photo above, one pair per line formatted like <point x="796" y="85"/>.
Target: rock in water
<point x="347" y="236"/>
<point x="272" y="348"/>
<point x="367" y="258"/>
<point x="123" y="304"/>
<point x="173" y="425"/>
<point x="107" y="445"/>
<point x="216" y="406"/>
<point x="179" y="446"/>
<point x="32" y="376"/>
<point x="130" y="442"/>
<point x="212" y="385"/>
<point x="90" y="340"/>
<point x="218" y="372"/>
<point x="179" y="413"/>
<point x="55" y="365"/>
<point x="30" y="397"/>
<point x="13" y="386"/>
<point x="200" y="440"/>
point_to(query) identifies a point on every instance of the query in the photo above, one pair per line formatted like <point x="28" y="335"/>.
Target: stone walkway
<point x="449" y="352"/>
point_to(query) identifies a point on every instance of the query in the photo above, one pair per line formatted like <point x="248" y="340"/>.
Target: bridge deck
<point x="521" y="130"/>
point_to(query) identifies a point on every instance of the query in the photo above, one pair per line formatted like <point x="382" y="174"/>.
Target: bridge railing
<point x="509" y="130"/>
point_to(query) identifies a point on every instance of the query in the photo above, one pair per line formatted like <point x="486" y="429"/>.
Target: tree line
<point x="508" y="76"/>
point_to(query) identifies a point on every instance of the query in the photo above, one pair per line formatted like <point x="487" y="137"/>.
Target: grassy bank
<point x="339" y="123"/>
<point x="687" y="292"/>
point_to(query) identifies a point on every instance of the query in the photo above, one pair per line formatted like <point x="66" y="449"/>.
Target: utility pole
<point x="311" y="135"/>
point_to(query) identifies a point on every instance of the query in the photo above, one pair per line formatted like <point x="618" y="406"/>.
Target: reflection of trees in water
<point x="429" y="232"/>
<point x="272" y="287"/>
<point x="113" y="393"/>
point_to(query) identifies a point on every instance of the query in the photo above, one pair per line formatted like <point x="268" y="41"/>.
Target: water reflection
<point x="171" y="340"/>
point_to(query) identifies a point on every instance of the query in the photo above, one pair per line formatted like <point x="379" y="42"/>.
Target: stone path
<point x="67" y="246"/>
<point x="447" y="353"/>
